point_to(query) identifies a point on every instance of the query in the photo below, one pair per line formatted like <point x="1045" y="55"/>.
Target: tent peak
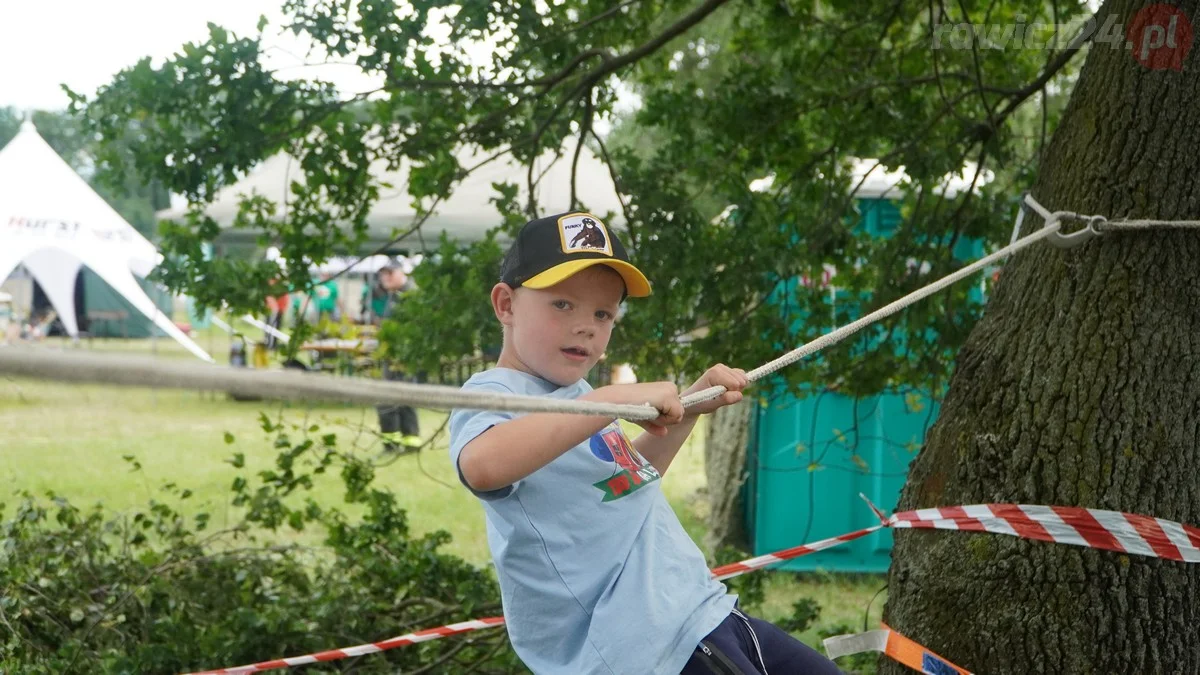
<point x="52" y="222"/>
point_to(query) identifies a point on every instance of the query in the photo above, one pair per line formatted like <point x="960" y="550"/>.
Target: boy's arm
<point x="512" y="450"/>
<point x="661" y="450"/>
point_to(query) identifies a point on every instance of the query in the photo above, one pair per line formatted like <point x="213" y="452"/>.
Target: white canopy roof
<point x="465" y="216"/>
<point x="879" y="183"/>
<point x="52" y="222"/>
<point x="873" y="181"/>
<point x="368" y="265"/>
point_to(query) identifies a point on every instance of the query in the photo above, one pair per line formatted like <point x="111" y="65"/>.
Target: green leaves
<point x="791" y="92"/>
<point x="450" y="316"/>
<point x="154" y="591"/>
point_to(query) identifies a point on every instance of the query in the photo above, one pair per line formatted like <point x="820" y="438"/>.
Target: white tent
<point x="368" y="265"/>
<point x="52" y="222"/>
<point x="879" y="183"/>
<point x="870" y="180"/>
<point x="464" y="217"/>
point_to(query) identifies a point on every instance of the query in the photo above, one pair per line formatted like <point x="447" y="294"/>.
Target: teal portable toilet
<point x="811" y="455"/>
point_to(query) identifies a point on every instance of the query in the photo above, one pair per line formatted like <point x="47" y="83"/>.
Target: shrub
<point x="156" y="591"/>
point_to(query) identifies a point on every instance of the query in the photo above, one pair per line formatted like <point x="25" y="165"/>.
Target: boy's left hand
<point x="733" y="379"/>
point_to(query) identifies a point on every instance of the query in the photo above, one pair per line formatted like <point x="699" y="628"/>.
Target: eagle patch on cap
<point x="583" y="232"/>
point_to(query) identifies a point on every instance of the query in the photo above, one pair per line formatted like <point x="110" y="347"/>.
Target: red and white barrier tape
<point x="1093" y="528"/>
<point x="362" y="650"/>
<point x="721" y="573"/>
<point x="896" y="647"/>
<point x="738" y="568"/>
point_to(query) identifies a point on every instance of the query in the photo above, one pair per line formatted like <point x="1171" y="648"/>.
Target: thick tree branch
<point x="987" y="106"/>
<point x="585" y="128"/>
<point x="612" y="172"/>
<point x="675" y="30"/>
<point x="611" y="63"/>
<point x="887" y="25"/>
<point x="1050" y="71"/>
<point x="936" y="69"/>
<point x="574" y="28"/>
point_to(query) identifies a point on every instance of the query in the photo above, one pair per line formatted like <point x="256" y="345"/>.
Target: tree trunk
<point x="725" y="469"/>
<point x="1080" y="386"/>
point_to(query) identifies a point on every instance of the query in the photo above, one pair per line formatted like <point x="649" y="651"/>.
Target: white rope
<point x="79" y="366"/>
<point x="76" y="367"/>
<point x="1053" y="223"/>
<point x="1141" y="224"/>
<point x="849" y="329"/>
<point x="1101" y="223"/>
<point x="291" y="384"/>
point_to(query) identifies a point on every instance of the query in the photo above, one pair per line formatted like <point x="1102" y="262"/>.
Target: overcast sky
<point x="83" y="43"/>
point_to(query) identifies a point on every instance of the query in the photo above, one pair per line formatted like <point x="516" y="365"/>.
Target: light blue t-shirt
<point x="596" y="572"/>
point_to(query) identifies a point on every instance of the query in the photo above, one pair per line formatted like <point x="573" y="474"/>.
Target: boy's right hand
<point x="664" y="396"/>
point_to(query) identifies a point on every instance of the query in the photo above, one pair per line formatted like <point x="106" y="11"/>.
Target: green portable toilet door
<point x="813" y="456"/>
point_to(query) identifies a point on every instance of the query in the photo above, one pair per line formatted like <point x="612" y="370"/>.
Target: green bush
<point x="155" y="591"/>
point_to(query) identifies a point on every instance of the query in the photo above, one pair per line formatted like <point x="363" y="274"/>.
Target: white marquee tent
<point x="52" y="222"/>
<point x="465" y="216"/>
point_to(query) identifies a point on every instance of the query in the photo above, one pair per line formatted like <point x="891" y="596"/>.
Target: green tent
<point x="106" y="314"/>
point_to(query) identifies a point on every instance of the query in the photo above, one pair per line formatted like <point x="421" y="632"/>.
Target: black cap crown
<point x="551" y="249"/>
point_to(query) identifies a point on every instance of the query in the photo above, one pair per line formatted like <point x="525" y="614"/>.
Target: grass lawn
<point x="70" y="439"/>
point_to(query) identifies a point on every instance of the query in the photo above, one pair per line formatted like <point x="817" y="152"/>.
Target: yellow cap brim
<point x="636" y="284"/>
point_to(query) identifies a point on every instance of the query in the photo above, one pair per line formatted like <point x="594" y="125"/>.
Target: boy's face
<point x="559" y="333"/>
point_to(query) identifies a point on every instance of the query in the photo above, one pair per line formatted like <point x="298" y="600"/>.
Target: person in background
<point x="377" y="297"/>
<point x="39" y="327"/>
<point x="277" y="307"/>
<point x="319" y="303"/>
<point x="325" y="295"/>
<point x="398" y="424"/>
<point x="277" y="300"/>
<point x="6" y="317"/>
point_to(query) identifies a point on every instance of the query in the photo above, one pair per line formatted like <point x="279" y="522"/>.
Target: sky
<point x="84" y="43"/>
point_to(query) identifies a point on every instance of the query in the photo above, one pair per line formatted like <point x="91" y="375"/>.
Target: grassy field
<point x="71" y="438"/>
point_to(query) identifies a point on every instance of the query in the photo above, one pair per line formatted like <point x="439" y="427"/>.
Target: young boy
<point x="596" y="573"/>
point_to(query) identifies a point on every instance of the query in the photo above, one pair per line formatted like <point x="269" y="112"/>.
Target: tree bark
<point x="725" y="469"/>
<point x="1080" y="386"/>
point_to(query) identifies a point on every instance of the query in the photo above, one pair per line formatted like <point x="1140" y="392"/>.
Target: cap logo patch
<point x="583" y="233"/>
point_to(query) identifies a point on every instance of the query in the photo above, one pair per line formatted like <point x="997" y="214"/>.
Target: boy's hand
<point x="664" y="396"/>
<point x="733" y="379"/>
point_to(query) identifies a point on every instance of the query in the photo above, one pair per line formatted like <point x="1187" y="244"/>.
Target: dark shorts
<point x="744" y="645"/>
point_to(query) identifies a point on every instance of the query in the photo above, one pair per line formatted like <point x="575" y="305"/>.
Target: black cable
<point x="812" y="485"/>
<point x="867" y="614"/>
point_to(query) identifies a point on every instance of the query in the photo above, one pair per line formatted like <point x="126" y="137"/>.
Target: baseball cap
<point x="550" y="249"/>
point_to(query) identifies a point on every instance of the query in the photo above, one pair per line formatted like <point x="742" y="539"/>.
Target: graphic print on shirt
<point x="632" y="471"/>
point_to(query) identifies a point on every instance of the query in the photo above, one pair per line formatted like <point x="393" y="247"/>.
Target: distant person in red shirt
<point x="277" y="306"/>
